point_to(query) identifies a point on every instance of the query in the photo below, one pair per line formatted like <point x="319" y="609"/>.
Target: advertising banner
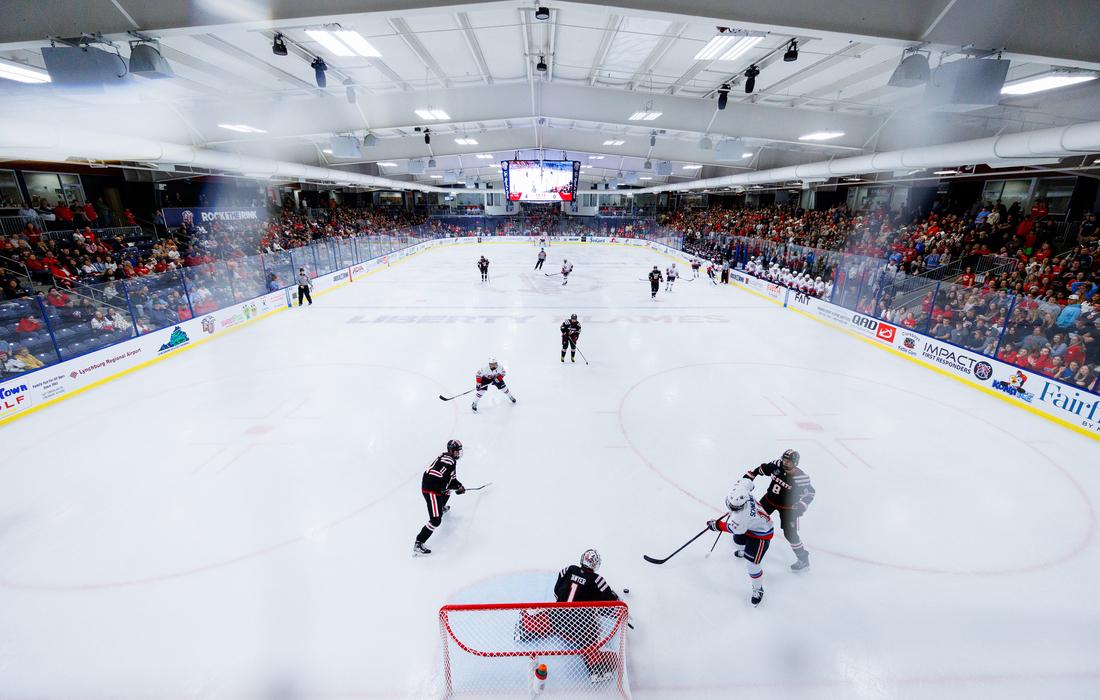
<point x="175" y="217"/>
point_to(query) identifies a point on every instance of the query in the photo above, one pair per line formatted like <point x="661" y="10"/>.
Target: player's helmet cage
<point x="493" y="363"/>
<point x="591" y="559"/>
<point x="573" y="317"/>
<point x="789" y="459"/>
<point x="455" y="447"/>
<point x="737" y="499"/>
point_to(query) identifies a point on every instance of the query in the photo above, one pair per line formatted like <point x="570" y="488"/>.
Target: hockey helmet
<point x="493" y="362"/>
<point x="737" y="498"/>
<point x="455" y="447"/>
<point x="573" y="317"/>
<point x="789" y="459"/>
<point x="591" y="559"/>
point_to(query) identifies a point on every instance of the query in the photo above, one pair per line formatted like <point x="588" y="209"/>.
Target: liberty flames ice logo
<point x="208" y="325"/>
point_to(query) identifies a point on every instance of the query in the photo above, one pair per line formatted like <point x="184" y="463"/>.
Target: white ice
<point x="236" y="520"/>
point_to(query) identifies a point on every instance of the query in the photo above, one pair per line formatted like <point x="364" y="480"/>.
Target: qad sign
<point x="879" y="329"/>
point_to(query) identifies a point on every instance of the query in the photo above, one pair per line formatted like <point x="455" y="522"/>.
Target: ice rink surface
<point x="237" y="520"/>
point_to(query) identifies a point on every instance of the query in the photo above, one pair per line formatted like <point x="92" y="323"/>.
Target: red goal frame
<point x="618" y="627"/>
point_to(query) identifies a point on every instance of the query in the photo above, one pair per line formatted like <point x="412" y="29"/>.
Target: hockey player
<point x="566" y="268"/>
<point x="752" y="532"/>
<point x="725" y="272"/>
<point x="439" y="480"/>
<point x="570" y="334"/>
<point x="305" y="285"/>
<point x="655" y="280"/>
<point x="579" y="627"/>
<point x="695" y="265"/>
<point x="542" y="259"/>
<point x="483" y="265"/>
<point x="710" y="273"/>
<point x="790" y="492"/>
<point x="670" y="277"/>
<point x="493" y="374"/>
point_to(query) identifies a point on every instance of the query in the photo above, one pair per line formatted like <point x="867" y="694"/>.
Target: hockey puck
<point x="626" y="590"/>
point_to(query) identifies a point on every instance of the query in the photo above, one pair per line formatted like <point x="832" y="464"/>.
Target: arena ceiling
<point x="477" y="62"/>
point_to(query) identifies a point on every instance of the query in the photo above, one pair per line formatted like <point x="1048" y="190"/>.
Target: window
<point x="10" y="196"/>
<point x="52" y="188"/>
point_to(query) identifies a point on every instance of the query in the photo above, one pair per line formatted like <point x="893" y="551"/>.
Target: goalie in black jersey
<point x="579" y="627"/>
<point x="439" y="481"/>
<point x="570" y="334"/>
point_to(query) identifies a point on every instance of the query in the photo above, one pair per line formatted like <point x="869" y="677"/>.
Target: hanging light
<point x="750" y="78"/>
<point x="278" y="46"/>
<point x="319" y="67"/>
<point x="792" y="51"/>
<point x="723" y="95"/>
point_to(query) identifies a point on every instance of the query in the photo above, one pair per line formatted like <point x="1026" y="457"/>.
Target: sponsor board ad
<point x="205" y="216"/>
<point x="31" y="389"/>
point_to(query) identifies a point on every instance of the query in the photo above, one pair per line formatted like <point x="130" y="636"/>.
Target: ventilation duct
<point x="1058" y="142"/>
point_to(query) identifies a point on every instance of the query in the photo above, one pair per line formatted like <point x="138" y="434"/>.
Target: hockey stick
<point x="444" y="398"/>
<point x="582" y="356"/>
<point x="651" y="560"/>
<point x="548" y="274"/>
<point x="472" y="488"/>
<point x="707" y="555"/>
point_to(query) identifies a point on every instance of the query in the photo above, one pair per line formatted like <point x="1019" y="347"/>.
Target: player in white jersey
<point x="566" y="268"/>
<point x="490" y="375"/>
<point x="752" y="532"/>
<point x="670" y="276"/>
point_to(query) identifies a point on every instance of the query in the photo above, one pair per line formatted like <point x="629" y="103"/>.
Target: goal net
<point x="496" y="650"/>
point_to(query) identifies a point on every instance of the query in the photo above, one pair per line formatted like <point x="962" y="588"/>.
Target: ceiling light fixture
<point x="319" y="67"/>
<point x="485" y="156"/>
<point x="912" y="71"/>
<point x="541" y="66"/>
<point x="645" y="177"/>
<point x="644" y="116"/>
<point x="821" y="136"/>
<point x="692" y="167"/>
<point x="146" y="61"/>
<point x="326" y="151"/>
<point x="542" y="13"/>
<point x="427" y="136"/>
<point x="727" y="47"/>
<point x="436" y="177"/>
<point x="792" y="51"/>
<point x="750" y="78"/>
<point x="464" y="141"/>
<point x="343" y="42"/>
<point x="278" y="46"/>
<point x="387" y="164"/>
<point x="432" y="114"/>
<point x="1046" y="81"/>
<point x="242" y="128"/>
<point x="723" y="95"/>
<point x="614" y="142"/>
<point x="596" y="157"/>
<point x="747" y="154"/>
<point x="10" y="70"/>
<point x="946" y="172"/>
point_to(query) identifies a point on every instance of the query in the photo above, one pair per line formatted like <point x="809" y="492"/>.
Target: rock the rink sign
<point x="174" y="217"/>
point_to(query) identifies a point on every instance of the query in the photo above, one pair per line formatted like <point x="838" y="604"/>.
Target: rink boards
<point x="1045" y="397"/>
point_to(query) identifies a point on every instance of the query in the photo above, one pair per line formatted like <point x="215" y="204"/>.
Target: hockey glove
<point x="712" y="525"/>
<point x="458" y="487"/>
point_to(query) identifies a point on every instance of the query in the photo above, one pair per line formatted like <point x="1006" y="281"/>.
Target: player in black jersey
<point x="791" y="493"/>
<point x="570" y="333"/>
<point x="580" y="627"/>
<point x="655" y="280"/>
<point x="483" y="265"/>
<point x="439" y="480"/>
